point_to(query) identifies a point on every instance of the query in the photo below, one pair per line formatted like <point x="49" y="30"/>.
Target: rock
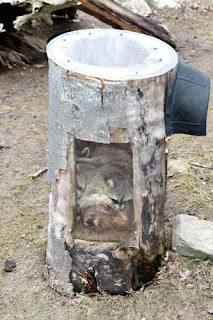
<point x="164" y="4"/>
<point x="189" y="286"/>
<point x="9" y="265"/>
<point x="177" y="166"/>
<point x="139" y="7"/>
<point x="192" y="237"/>
<point x="198" y="148"/>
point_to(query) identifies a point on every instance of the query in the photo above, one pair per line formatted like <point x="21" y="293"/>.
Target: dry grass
<point x="191" y="191"/>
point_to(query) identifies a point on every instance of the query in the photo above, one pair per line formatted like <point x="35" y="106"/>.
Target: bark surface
<point x="85" y="193"/>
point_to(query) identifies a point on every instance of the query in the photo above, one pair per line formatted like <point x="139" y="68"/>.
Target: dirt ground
<point x="24" y="293"/>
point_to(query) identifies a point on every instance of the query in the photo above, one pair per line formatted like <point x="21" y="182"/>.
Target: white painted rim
<point x="112" y="54"/>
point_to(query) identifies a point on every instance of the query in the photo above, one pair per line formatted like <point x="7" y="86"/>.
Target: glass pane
<point x="104" y="192"/>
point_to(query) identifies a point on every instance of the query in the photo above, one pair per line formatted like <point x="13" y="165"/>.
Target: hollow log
<point x="107" y="159"/>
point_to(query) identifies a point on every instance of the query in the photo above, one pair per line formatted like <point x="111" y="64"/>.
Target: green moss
<point x="38" y="243"/>
<point x="4" y="197"/>
<point x="123" y="245"/>
<point x="20" y="187"/>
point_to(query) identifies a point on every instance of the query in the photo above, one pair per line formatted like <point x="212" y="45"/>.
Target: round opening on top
<point x="112" y="54"/>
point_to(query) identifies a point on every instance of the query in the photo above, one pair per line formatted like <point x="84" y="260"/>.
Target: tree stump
<point x="106" y="159"/>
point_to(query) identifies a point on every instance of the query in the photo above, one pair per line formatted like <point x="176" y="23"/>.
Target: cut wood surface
<point x="117" y="16"/>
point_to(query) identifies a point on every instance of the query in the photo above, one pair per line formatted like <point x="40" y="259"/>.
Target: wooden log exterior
<point x="104" y="131"/>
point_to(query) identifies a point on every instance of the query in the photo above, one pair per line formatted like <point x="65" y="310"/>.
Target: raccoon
<point x="104" y="177"/>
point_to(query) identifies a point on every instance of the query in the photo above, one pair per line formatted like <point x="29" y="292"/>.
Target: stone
<point x="189" y="286"/>
<point x="9" y="265"/>
<point x="139" y="7"/>
<point x="164" y="4"/>
<point x="192" y="237"/>
<point x="198" y="148"/>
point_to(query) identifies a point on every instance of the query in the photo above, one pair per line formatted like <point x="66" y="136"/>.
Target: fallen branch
<point x="117" y="16"/>
<point x="38" y="173"/>
<point x="200" y="166"/>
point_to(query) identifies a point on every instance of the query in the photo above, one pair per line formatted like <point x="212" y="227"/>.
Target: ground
<point x="24" y="293"/>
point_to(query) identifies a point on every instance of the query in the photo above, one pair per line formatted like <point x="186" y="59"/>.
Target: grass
<point x="19" y="188"/>
<point x="4" y="250"/>
<point x="191" y="192"/>
<point x="22" y="215"/>
<point x="4" y="197"/>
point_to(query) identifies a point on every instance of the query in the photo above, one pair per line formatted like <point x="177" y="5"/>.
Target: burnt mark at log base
<point x="144" y="269"/>
<point x="89" y="282"/>
<point x="115" y="270"/>
<point x="111" y="273"/>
